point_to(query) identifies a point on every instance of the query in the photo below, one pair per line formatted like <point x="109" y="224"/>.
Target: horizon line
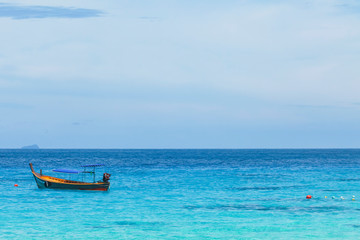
<point x="275" y="148"/>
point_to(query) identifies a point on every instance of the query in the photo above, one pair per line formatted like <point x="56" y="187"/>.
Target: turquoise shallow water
<point x="186" y="194"/>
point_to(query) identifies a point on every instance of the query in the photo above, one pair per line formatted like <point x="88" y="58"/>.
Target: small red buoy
<point x="308" y="197"/>
<point x="16" y="185"/>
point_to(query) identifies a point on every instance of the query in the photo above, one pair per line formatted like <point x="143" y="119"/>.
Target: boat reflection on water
<point x="44" y="181"/>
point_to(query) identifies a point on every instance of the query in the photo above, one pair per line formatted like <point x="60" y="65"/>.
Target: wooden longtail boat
<point x="44" y="181"/>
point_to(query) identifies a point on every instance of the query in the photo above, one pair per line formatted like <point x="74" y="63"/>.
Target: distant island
<point x="34" y="146"/>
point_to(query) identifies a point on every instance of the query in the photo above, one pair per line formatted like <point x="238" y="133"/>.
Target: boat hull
<point x="57" y="183"/>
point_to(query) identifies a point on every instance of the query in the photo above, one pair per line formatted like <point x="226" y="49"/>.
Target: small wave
<point x="137" y="223"/>
<point x="100" y="227"/>
<point x="267" y="208"/>
<point x="272" y="188"/>
<point x="348" y="179"/>
<point x="335" y="190"/>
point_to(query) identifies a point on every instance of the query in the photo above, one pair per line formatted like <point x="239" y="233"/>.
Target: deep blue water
<point x="186" y="194"/>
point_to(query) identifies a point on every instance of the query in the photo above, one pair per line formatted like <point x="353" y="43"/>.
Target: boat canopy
<point x="66" y="170"/>
<point x="93" y="165"/>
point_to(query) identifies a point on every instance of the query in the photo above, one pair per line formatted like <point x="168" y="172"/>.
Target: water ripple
<point x="311" y="209"/>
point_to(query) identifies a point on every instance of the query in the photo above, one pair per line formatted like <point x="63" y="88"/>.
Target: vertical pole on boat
<point x="94" y="173"/>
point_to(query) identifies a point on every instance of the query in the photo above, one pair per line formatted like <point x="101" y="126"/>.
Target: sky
<point x="180" y="74"/>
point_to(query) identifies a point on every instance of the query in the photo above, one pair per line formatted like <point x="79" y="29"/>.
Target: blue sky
<point x="180" y="74"/>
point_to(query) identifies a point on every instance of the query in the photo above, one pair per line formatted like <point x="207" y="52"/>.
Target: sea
<point x="185" y="194"/>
